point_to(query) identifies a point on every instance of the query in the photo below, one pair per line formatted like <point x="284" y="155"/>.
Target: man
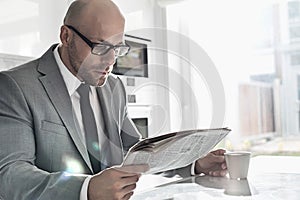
<point x="45" y="146"/>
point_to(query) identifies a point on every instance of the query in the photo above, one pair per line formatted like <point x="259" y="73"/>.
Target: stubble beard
<point x="80" y="68"/>
<point x="72" y="54"/>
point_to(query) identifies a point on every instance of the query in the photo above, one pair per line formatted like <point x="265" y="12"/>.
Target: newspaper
<point x="174" y="150"/>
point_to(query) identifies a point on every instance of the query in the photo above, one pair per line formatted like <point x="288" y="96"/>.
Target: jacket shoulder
<point x="21" y="71"/>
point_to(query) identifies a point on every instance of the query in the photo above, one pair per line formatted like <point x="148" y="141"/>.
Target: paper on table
<point x="174" y="150"/>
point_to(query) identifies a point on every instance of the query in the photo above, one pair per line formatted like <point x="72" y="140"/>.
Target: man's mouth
<point x="103" y="73"/>
<point x="99" y="71"/>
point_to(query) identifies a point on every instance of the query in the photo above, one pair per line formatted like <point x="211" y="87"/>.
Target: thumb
<point x="218" y="159"/>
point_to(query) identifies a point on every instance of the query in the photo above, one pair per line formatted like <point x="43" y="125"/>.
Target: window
<point x="294" y="11"/>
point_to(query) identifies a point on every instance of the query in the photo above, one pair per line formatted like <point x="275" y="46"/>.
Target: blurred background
<point x="253" y="45"/>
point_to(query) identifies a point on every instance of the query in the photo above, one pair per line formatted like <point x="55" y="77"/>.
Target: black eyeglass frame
<point x="93" y="44"/>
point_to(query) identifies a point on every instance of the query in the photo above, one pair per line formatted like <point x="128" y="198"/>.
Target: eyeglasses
<point x="102" y="48"/>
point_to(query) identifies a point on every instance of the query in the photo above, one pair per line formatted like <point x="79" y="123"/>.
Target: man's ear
<point x="65" y="35"/>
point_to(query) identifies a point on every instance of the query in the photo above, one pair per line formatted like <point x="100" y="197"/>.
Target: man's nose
<point x="110" y="57"/>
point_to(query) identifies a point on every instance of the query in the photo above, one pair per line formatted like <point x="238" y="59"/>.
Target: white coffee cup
<point x="237" y="164"/>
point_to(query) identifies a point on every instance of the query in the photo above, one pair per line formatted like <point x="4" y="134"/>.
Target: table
<point x="269" y="177"/>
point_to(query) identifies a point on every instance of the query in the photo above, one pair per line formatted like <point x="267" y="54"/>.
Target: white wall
<point x="147" y="20"/>
<point x="30" y="27"/>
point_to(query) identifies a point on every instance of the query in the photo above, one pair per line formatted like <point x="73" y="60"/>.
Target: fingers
<point x="224" y="166"/>
<point x="218" y="173"/>
<point x="218" y="155"/>
<point x="213" y="163"/>
<point x="114" y="183"/>
<point x="129" y="180"/>
<point x="219" y="152"/>
<point x="127" y="196"/>
<point x="127" y="191"/>
<point x="218" y="158"/>
<point x="129" y="188"/>
<point x="129" y="184"/>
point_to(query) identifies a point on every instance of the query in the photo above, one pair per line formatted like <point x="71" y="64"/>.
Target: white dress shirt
<point x="72" y="84"/>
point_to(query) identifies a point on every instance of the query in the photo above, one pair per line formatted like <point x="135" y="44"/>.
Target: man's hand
<point x="212" y="164"/>
<point x="115" y="182"/>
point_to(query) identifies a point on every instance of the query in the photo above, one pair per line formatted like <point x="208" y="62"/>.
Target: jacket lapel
<point x="56" y="89"/>
<point x="113" y="128"/>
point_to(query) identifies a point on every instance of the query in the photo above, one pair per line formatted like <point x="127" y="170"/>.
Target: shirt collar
<point x="71" y="81"/>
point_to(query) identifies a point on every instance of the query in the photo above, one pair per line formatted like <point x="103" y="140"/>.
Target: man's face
<point x="91" y="68"/>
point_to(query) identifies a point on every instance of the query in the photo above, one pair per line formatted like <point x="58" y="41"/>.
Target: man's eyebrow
<point x="106" y="42"/>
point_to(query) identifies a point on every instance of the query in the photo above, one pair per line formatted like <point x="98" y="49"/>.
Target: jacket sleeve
<point x="19" y="177"/>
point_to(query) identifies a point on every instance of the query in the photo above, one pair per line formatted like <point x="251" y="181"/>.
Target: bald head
<point x="74" y="12"/>
<point x="91" y="13"/>
<point x="87" y="24"/>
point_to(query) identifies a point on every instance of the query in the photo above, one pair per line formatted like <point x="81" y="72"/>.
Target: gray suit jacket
<point x="38" y="137"/>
